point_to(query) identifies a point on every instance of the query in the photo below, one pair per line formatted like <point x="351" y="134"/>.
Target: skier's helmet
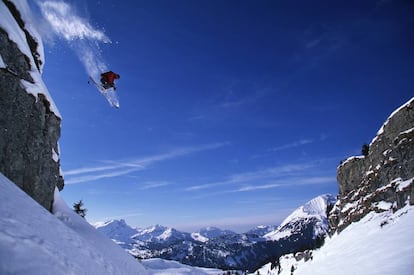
<point x="117" y="76"/>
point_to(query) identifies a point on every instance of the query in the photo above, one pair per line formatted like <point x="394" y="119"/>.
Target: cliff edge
<point x="29" y="119"/>
<point x="381" y="180"/>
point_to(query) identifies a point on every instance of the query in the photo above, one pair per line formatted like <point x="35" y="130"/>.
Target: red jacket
<point x="109" y="77"/>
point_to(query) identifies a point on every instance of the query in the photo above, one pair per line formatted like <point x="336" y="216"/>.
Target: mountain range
<point x="212" y="247"/>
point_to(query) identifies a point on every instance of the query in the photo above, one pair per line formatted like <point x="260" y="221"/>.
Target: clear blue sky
<point x="233" y="113"/>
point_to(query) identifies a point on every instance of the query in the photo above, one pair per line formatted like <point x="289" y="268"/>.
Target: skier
<point x="107" y="79"/>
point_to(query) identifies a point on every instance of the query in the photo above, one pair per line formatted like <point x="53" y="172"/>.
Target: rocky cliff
<point x="381" y="180"/>
<point x="29" y="120"/>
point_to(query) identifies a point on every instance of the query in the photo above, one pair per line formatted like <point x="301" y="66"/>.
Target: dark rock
<point x="382" y="176"/>
<point x="29" y="129"/>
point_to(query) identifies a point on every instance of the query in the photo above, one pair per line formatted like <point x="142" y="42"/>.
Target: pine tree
<point x="77" y="207"/>
<point x="365" y="149"/>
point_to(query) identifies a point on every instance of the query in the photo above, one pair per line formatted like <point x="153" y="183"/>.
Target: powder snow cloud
<point x="81" y="36"/>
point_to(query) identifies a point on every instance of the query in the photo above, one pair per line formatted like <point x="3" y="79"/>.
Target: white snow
<point x="164" y="267"/>
<point x="166" y="234"/>
<point x="408" y="131"/>
<point x="349" y="205"/>
<point x="377" y="244"/>
<point x="8" y="23"/>
<point x="404" y="184"/>
<point x="386" y="152"/>
<point x="313" y="208"/>
<point x="33" y="241"/>
<point x="198" y="237"/>
<point x="55" y="156"/>
<point x="2" y="65"/>
<point x="383" y="205"/>
<point x="351" y="159"/>
<point x="26" y="13"/>
<point x="277" y="235"/>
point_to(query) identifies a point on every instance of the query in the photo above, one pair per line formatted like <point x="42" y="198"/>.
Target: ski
<point x="108" y="93"/>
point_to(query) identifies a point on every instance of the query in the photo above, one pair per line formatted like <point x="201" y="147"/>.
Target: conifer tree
<point x="365" y="149"/>
<point x="77" y="207"/>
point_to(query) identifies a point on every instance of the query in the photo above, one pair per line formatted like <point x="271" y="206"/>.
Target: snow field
<point x="378" y="244"/>
<point x="33" y="241"/>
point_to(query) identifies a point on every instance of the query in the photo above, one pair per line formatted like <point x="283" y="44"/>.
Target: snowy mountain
<point x="313" y="212"/>
<point x="116" y="230"/>
<point x="160" y="234"/>
<point x="224" y="249"/>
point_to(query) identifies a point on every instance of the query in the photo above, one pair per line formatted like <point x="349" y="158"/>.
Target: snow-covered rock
<point x="33" y="241"/>
<point x="386" y="174"/>
<point x="30" y="121"/>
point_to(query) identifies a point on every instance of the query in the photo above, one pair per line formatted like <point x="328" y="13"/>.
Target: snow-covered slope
<point x="33" y="241"/>
<point x="380" y="243"/>
<point x="165" y="267"/>
<point x="262" y="230"/>
<point x="314" y="211"/>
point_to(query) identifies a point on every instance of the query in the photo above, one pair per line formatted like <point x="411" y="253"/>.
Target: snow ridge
<point x="313" y="210"/>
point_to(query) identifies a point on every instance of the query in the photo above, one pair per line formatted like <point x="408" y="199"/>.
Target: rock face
<point x="29" y="127"/>
<point x="384" y="178"/>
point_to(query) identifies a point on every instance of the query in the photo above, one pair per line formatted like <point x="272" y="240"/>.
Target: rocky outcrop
<point x="29" y="123"/>
<point x="384" y="178"/>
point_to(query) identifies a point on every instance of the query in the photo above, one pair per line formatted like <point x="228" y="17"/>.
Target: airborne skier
<point x="107" y="87"/>
<point x="107" y="79"/>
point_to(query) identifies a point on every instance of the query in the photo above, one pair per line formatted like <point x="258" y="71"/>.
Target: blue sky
<point x="233" y="113"/>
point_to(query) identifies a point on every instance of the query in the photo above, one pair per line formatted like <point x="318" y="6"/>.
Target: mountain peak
<point x="315" y="207"/>
<point x="312" y="214"/>
<point x="112" y="222"/>
<point x="116" y="229"/>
